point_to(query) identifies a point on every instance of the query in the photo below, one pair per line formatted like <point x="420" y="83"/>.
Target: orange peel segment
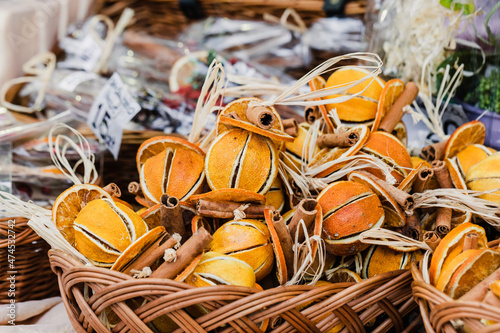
<point x="392" y="90"/>
<point x="468" y="134"/>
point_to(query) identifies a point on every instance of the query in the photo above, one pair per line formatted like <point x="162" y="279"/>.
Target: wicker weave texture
<point x="231" y="308"/>
<point x="165" y="18"/>
<point x="33" y="278"/>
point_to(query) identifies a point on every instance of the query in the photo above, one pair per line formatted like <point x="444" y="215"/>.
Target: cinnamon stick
<point x="311" y="113"/>
<point x="470" y="241"/>
<point x="113" y="190"/>
<point x="135" y="189"/>
<point x="478" y="292"/>
<point x="260" y="116"/>
<point x="432" y="239"/>
<point x="442" y="174"/>
<point x="306" y="211"/>
<point x="434" y="152"/>
<point x="343" y="140"/>
<point x="393" y="117"/>
<point x="443" y="221"/>
<point x="148" y="257"/>
<point x="404" y="199"/>
<point x="291" y="126"/>
<point x="412" y="227"/>
<point x="285" y="239"/>
<point x="225" y="209"/>
<point x="171" y="215"/>
<point x="423" y="177"/>
<point x="192" y="248"/>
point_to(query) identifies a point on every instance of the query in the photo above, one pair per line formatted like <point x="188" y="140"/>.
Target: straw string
<point x="381" y="236"/>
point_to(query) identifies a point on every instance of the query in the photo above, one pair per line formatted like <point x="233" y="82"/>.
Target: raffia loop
<point x="239" y="214"/>
<point x="357" y="260"/>
<point x="304" y="257"/>
<point x="292" y="97"/>
<point x="299" y="25"/>
<point x="462" y="200"/>
<point x="40" y="221"/>
<point x="380" y="236"/>
<point x="113" y="32"/>
<point x="211" y="92"/>
<point x="41" y="68"/>
<point x="58" y="148"/>
<point x="146" y="272"/>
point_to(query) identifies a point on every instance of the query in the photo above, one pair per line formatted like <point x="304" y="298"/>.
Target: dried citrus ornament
<point x="241" y="159"/>
<point x="170" y="165"/>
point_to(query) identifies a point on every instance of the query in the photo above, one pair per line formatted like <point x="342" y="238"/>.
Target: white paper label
<point x="73" y="80"/>
<point x="81" y="54"/>
<point x="110" y="112"/>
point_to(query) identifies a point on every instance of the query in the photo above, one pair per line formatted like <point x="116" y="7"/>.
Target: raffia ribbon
<point x="113" y="32"/>
<point x="299" y="25"/>
<point x="41" y="68"/>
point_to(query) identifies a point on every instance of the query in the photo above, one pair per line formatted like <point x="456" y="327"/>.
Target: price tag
<point x="113" y="108"/>
<point x="82" y="54"/>
<point x="73" y="80"/>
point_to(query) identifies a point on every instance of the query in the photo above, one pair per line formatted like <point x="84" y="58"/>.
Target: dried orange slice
<point x="349" y="208"/>
<point x="455" y="175"/>
<point x="390" y="150"/>
<point x="363" y="107"/>
<point x="401" y="133"/>
<point x="241" y="159"/>
<point x="450" y="269"/>
<point x="468" y="134"/>
<point x="281" y="269"/>
<point x="234" y="115"/>
<point x="69" y="204"/>
<point x="473" y="270"/>
<point x="392" y="90"/>
<point x="247" y="240"/>
<point x="319" y="83"/>
<point x="416" y="161"/>
<point x="344" y="275"/>
<point x="170" y="165"/>
<point x="495" y="288"/>
<point x="485" y="176"/>
<point x="451" y="246"/>
<point x="327" y="155"/>
<point x="137" y="247"/>
<point x="199" y="221"/>
<point x="407" y="183"/>
<point x="189" y="269"/>
<point x="394" y="215"/>
<point x="380" y="259"/>
<point x="152" y="216"/>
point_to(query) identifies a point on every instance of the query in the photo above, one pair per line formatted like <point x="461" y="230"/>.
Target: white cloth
<point x="28" y="27"/>
<point x="47" y="316"/>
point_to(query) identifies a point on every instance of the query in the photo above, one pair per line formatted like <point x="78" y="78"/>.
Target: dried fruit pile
<point x="262" y="199"/>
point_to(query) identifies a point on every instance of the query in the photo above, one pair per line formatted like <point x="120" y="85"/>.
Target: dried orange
<point x="451" y="267"/>
<point x="344" y="275"/>
<point x="281" y="269"/>
<point x="104" y="229"/>
<point x="234" y="115"/>
<point x="473" y="270"/>
<point x="380" y="259"/>
<point x="327" y="155"/>
<point x="485" y="176"/>
<point x="394" y="215"/>
<point x="349" y="208"/>
<point x="170" y="165"/>
<point x="390" y="150"/>
<point x="276" y="196"/>
<point x="416" y="161"/>
<point x="363" y="107"/>
<point x="455" y="175"/>
<point x="218" y="269"/>
<point x="451" y="246"/>
<point x="241" y="159"/>
<point x="69" y="204"/>
<point x="401" y="133"/>
<point x="472" y="155"/>
<point x="247" y="240"/>
<point x="495" y="288"/>
<point x="468" y="134"/>
<point x="392" y="90"/>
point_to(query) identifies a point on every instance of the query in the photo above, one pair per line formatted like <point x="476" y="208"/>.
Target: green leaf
<point x="467" y="6"/>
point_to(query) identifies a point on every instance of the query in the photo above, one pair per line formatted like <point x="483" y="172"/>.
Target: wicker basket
<point x="165" y="17"/>
<point x="386" y="297"/>
<point x="34" y="279"/>
<point x="438" y="310"/>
